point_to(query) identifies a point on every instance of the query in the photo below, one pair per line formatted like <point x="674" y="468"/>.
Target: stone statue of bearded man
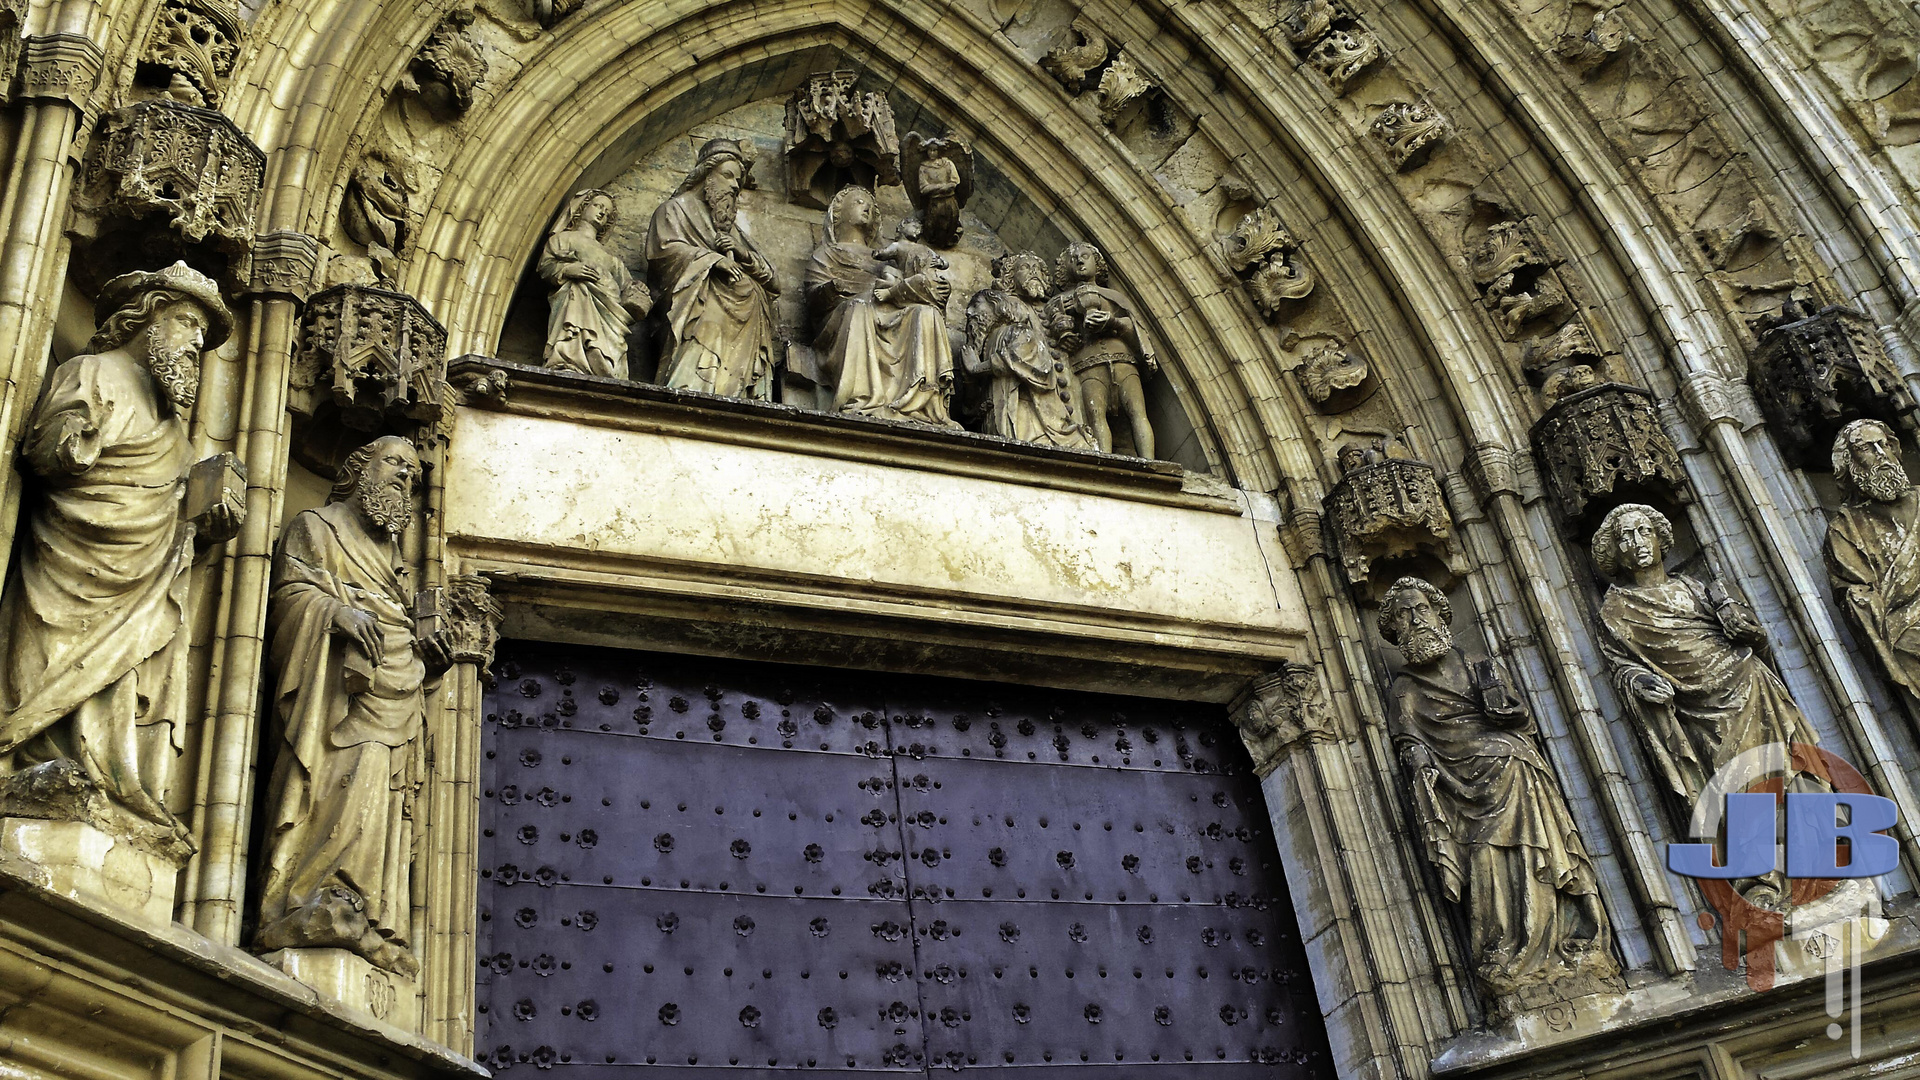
<point x="90" y="628"/>
<point x="348" y="701"/>
<point x="1873" y="549"/>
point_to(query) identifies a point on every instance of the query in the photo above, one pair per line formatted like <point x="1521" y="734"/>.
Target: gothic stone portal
<point x="693" y="865"/>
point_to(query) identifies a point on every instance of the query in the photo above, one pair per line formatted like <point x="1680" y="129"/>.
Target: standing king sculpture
<point x="91" y="621"/>
<point x="715" y="282"/>
<point x="1492" y="820"/>
<point x="1682" y="654"/>
<point x="1873" y="550"/>
<point x="1095" y="326"/>
<point x="348" y="676"/>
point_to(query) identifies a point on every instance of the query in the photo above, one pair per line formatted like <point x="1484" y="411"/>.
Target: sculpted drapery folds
<point x="595" y="300"/>
<point x="716" y="283"/>
<point x="1095" y="326"/>
<point x="1682" y="654"/>
<point x="1873" y="548"/>
<point x="94" y="606"/>
<point x="1032" y="396"/>
<point x="348" y="707"/>
<point x="883" y="331"/>
<point x="1492" y="821"/>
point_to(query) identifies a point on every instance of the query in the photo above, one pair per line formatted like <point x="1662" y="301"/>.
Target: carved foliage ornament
<point x="452" y="59"/>
<point x="192" y="48"/>
<point x="1344" y="54"/>
<point x="1282" y="710"/>
<point x="1599" y="444"/>
<point x="375" y="354"/>
<point x="1121" y="85"/>
<point x="1387" y="507"/>
<point x="1266" y="256"/>
<point x="464" y="616"/>
<point x="1085" y="51"/>
<point x="192" y="164"/>
<point x="1410" y="131"/>
<point x="1815" y="371"/>
<point x="1515" y="277"/>
<point x="1335" y="378"/>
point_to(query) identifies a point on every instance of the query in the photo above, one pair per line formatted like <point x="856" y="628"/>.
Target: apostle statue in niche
<point x="348" y="673"/>
<point x="1873" y="549"/>
<point x="90" y="626"/>
<point x="595" y="300"/>
<point x="1032" y="397"/>
<point x="882" y="333"/>
<point x="1683" y="660"/>
<point x="1491" y="818"/>
<point x="1095" y="327"/>
<point x="716" y="283"/>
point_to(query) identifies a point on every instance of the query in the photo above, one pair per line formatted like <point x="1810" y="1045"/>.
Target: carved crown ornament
<point x="372" y="354"/>
<point x="1388" y="507"/>
<point x="191" y="49"/>
<point x="1813" y="371"/>
<point x="60" y="67"/>
<point x="1266" y="257"/>
<point x="1602" y="446"/>
<point x="188" y="163"/>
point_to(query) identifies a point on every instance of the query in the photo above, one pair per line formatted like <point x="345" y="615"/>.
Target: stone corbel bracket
<point x="373" y="354"/>
<point x="1603" y="446"/>
<point x="1391" y="511"/>
<point x="191" y="164"/>
<point x="1280" y="711"/>
<point x="1813" y="372"/>
<point x="1266" y="256"/>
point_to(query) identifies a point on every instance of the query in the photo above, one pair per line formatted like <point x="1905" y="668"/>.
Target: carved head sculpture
<point x="1866" y="461"/>
<point x="1023" y="274"/>
<point x="180" y="313"/>
<point x="1416" y="618"/>
<point x="1632" y="536"/>
<point x="590" y="207"/>
<point x="379" y="479"/>
<point x="722" y="169"/>
<point x="850" y="216"/>
<point x="1080" y="262"/>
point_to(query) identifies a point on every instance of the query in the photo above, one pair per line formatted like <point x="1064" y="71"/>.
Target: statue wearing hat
<point x="715" y="282"/>
<point x="90" y="624"/>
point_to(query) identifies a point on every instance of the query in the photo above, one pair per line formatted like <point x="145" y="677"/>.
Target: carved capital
<point x="1604" y="445"/>
<point x="284" y="263"/>
<point x="1282" y="710"/>
<point x="374" y="355"/>
<point x="61" y="67"/>
<point x="1708" y="398"/>
<point x="1492" y="470"/>
<point x="190" y="164"/>
<point x="473" y="620"/>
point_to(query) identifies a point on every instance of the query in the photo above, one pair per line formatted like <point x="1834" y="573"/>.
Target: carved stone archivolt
<point x="190" y="164"/>
<point x="1267" y="257"/>
<point x="1410" y="131"/>
<point x="191" y="49"/>
<point x="1280" y="711"/>
<point x="1814" y="371"/>
<point x="836" y="136"/>
<point x="372" y="356"/>
<point x="1599" y="445"/>
<point x="1388" y="507"/>
<point x="1491" y="819"/>
<point x="1335" y="377"/>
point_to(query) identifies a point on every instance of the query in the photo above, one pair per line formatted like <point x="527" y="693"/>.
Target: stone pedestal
<point x="78" y="860"/>
<point x="349" y="979"/>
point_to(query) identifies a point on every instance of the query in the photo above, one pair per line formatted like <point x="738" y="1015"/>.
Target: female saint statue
<point x="883" y="330"/>
<point x="595" y="300"/>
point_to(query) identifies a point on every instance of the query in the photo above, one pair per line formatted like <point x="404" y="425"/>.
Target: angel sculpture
<point x="939" y="179"/>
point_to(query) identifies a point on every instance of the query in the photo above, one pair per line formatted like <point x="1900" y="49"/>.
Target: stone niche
<point x="646" y="166"/>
